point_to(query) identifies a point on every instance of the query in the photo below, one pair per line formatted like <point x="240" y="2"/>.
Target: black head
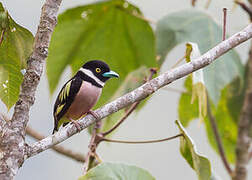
<point x="98" y="71"/>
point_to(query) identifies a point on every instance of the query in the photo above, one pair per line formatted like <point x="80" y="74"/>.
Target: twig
<point x="94" y="142"/>
<point x="60" y="149"/>
<point x="129" y="111"/>
<point x="141" y="142"/>
<point x="224" y="23"/>
<point x="245" y="8"/>
<point x="144" y="91"/>
<point x="2" y="36"/>
<point x="217" y="138"/>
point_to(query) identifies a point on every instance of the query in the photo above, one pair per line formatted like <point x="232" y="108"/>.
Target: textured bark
<point x="59" y="149"/>
<point x="144" y="90"/>
<point x="12" y="137"/>
<point x="244" y="127"/>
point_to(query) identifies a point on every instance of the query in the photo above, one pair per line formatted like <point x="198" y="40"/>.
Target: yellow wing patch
<point x="59" y="108"/>
<point x="65" y="92"/>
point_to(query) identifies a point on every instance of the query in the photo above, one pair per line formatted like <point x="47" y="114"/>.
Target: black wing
<point x="65" y="99"/>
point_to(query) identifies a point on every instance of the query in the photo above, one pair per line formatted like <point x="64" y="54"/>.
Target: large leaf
<point x="199" y="163"/>
<point x="226" y="115"/>
<point x="15" y="48"/>
<point x="187" y="111"/>
<point x="113" y="171"/>
<point x="106" y="30"/>
<point x="200" y="28"/>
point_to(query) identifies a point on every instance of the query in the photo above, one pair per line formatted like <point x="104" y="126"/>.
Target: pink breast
<point x="86" y="98"/>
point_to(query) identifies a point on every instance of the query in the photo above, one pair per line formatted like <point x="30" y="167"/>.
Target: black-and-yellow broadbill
<point x="81" y="93"/>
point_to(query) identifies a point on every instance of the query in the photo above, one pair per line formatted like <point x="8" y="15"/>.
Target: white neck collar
<point x="91" y="75"/>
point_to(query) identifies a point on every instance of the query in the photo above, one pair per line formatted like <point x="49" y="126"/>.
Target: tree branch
<point x="218" y="139"/>
<point x="35" y="63"/>
<point x="142" y="142"/>
<point x="244" y="127"/>
<point x="12" y="143"/>
<point x="60" y="149"/>
<point x="245" y="8"/>
<point x="143" y="91"/>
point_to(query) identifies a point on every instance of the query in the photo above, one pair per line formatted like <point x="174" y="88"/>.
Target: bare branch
<point x="142" y="142"/>
<point x="245" y="8"/>
<point x="94" y="142"/>
<point x="218" y="139"/>
<point x="143" y="91"/>
<point x="12" y="143"/>
<point x="126" y="115"/>
<point x="48" y="21"/>
<point x="244" y="127"/>
<point x="60" y="149"/>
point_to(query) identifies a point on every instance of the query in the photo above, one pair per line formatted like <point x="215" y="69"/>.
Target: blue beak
<point x="110" y="74"/>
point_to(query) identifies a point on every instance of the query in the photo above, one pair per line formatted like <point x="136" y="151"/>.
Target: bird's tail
<point x="55" y="130"/>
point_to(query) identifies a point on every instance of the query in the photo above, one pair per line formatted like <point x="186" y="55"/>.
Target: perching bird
<point x="81" y="93"/>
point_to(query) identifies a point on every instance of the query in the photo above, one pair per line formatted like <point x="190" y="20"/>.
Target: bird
<point x="81" y="93"/>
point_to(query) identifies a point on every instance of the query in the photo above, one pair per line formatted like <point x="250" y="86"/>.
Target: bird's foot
<point x="76" y="124"/>
<point x="93" y="114"/>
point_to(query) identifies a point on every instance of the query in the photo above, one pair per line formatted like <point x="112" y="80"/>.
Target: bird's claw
<point x="93" y="114"/>
<point x="77" y="125"/>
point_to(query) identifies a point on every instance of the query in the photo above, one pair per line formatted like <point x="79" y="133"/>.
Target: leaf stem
<point x="224" y="23"/>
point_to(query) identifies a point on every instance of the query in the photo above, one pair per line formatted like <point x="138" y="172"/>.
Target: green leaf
<point x="15" y="48"/>
<point x="198" y="90"/>
<point x="200" y="28"/>
<point x="113" y="171"/>
<point x="106" y="30"/>
<point x="187" y="111"/>
<point x="226" y="115"/>
<point x="199" y="163"/>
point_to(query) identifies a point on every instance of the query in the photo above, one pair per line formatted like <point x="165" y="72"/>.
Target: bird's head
<point x="98" y="71"/>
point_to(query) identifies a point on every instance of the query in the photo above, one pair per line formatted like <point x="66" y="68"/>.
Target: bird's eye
<point x="98" y="70"/>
